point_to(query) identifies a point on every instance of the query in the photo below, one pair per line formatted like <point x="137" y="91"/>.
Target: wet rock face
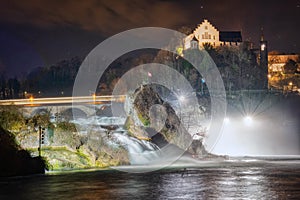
<point x="160" y="119"/>
<point x="197" y="148"/>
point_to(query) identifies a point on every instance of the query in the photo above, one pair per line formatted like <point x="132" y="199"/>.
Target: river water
<point x="253" y="181"/>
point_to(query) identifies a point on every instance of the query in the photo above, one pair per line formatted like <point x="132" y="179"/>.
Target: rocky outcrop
<point x="159" y="122"/>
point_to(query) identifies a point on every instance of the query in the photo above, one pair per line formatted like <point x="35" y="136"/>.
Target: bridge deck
<point x="64" y="100"/>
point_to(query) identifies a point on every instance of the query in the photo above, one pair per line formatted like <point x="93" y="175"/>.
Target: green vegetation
<point x="144" y="120"/>
<point x="64" y="158"/>
<point x="66" y="126"/>
<point x="11" y="119"/>
<point x="64" y="149"/>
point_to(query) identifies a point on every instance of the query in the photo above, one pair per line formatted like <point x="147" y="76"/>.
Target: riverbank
<point x="16" y="161"/>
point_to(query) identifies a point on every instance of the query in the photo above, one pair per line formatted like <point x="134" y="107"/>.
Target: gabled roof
<point x="231" y="36"/>
<point x="194" y="38"/>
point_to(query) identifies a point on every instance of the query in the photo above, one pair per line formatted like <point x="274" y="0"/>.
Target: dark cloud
<point x="60" y="29"/>
<point x="112" y="16"/>
<point x="104" y="16"/>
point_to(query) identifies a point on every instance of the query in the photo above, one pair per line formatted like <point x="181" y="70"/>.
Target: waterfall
<point x="141" y="152"/>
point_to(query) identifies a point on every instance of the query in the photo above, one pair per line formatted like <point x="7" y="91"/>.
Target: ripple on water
<point x="197" y="183"/>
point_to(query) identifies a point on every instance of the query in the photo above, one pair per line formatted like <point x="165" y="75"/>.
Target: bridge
<point x="63" y="100"/>
<point x="87" y="105"/>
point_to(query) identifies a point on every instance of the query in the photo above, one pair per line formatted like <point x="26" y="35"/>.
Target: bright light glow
<point x="248" y="120"/>
<point x="269" y="76"/>
<point x="226" y="120"/>
<point x="182" y="98"/>
<point x="263" y="46"/>
<point x="290" y="83"/>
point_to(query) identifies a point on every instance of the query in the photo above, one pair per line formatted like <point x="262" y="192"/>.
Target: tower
<point x="263" y="61"/>
<point x="194" y="43"/>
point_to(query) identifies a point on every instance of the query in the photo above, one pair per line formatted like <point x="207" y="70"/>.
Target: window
<point x="205" y="27"/>
<point x="209" y="36"/>
<point x="202" y="36"/>
<point x="214" y="37"/>
<point x="206" y="35"/>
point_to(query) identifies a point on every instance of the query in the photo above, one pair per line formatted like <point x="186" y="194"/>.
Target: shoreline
<point x="182" y="164"/>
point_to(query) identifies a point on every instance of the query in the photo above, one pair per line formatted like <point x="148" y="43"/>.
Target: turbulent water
<point x="244" y="182"/>
<point x="140" y="151"/>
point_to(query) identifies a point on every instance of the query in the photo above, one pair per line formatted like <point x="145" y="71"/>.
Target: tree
<point x="13" y="87"/>
<point x="11" y="119"/>
<point x="2" y="87"/>
<point x="185" y="30"/>
<point x="290" y="67"/>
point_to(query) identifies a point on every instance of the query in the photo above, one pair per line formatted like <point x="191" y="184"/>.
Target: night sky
<point x="37" y="33"/>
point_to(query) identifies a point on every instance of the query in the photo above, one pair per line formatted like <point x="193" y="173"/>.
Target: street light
<point x="202" y="83"/>
<point x="226" y="120"/>
<point x="248" y="120"/>
<point x="31" y="99"/>
<point x="94" y="97"/>
<point x="181" y="98"/>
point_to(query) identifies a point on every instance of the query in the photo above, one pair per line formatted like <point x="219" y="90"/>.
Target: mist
<point x="272" y="131"/>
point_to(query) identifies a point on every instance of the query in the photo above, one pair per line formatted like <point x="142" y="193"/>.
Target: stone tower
<point x="263" y="61"/>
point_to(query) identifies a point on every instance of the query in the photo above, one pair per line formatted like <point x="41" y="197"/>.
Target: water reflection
<point x="206" y="183"/>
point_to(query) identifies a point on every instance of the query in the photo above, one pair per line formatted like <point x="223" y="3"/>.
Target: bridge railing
<point x="64" y="100"/>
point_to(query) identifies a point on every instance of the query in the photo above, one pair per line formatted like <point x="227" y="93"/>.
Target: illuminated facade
<point x="207" y="33"/>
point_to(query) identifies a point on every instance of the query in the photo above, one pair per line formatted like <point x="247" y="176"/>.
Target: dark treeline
<point x="56" y="80"/>
<point x="238" y="67"/>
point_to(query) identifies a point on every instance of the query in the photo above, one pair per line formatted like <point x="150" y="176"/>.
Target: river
<point x="273" y="181"/>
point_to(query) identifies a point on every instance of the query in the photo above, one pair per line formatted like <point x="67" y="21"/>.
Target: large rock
<point x="158" y="121"/>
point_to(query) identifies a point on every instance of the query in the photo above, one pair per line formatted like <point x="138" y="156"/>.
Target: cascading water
<point x="141" y="152"/>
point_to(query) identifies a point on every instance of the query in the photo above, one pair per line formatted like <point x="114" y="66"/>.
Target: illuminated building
<point x="207" y="33"/>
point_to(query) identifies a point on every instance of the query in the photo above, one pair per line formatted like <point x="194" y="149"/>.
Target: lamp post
<point x="202" y="84"/>
<point x="291" y="86"/>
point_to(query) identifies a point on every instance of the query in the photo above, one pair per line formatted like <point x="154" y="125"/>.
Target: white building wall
<point x="207" y="33"/>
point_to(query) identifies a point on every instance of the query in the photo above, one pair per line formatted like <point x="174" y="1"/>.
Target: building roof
<point x="283" y="58"/>
<point x="231" y="36"/>
<point x="194" y="38"/>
